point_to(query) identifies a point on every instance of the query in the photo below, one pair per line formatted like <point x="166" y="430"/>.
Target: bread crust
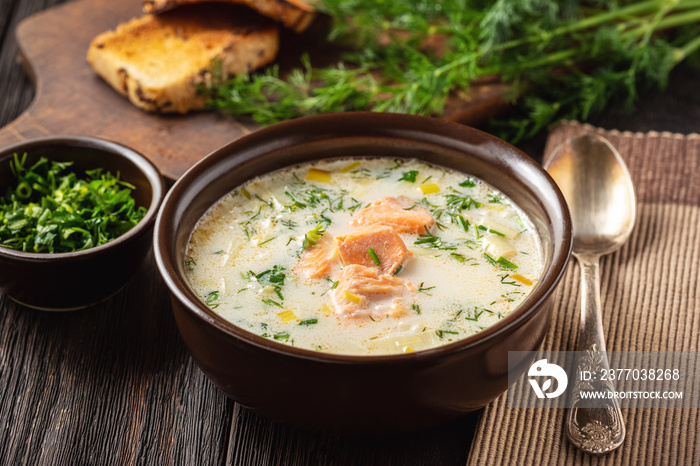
<point x="296" y="15"/>
<point x="158" y="62"/>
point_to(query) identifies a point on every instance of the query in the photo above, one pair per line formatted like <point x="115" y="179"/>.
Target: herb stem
<point x="680" y="19"/>
<point x="663" y="23"/>
<point x="633" y="10"/>
<point x="691" y="47"/>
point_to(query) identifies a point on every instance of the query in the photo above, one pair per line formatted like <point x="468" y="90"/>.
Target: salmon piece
<point x="316" y="261"/>
<point x="391" y="211"/>
<point x="388" y="246"/>
<point x="363" y="292"/>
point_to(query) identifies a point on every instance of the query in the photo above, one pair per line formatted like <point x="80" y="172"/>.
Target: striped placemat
<point x="650" y="296"/>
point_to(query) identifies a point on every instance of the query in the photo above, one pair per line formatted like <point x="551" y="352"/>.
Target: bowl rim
<point x="141" y="162"/>
<point x="179" y="289"/>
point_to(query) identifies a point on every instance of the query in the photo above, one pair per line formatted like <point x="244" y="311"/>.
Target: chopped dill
<point x="271" y="302"/>
<point x="442" y="333"/>
<point x="505" y="280"/>
<point x="190" y="263"/>
<point x="424" y="289"/>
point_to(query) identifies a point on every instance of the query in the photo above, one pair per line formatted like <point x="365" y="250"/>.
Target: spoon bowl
<point x="598" y="189"/>
<point x="599" y="192"/>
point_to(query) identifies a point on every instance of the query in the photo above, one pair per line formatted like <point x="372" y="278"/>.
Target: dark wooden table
<point x="114" y="384"/>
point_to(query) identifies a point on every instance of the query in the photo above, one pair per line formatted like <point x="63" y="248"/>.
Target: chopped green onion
<point x="459" y="257"/>
<point x="373" y="255"/>
<point x="281" y="336"/>
<point x="210" y="299"/>
<point x="491" y="260"/>
<point x="506" y="263"/>
<point x="463" y="224"/>
<point x="51" y="210"/>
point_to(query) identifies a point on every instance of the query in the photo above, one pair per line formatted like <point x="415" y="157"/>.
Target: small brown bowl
<point x="360" y="394"/>
<point x="74" y="280"/>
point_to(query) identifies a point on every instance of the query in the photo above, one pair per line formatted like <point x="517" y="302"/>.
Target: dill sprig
<point x="560" y="60"/>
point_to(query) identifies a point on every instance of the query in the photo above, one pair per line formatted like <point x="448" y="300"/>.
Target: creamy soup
<point x="364" y="256"/>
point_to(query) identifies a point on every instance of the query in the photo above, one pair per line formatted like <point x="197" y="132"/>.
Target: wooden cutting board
<point x="72" y="100"/>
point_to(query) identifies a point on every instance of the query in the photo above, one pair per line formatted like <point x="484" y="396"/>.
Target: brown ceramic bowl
<point x="360" y="394"/>
<point x="74" y="280"/>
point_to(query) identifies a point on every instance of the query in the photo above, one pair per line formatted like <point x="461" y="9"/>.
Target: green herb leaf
<point x="271" y="302"/>
<point x="409" y="176"/>
<point x="273" y="276"/>
<point x="312" y="237"/>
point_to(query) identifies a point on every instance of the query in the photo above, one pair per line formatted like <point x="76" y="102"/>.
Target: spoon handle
<point x="596" y="427"/>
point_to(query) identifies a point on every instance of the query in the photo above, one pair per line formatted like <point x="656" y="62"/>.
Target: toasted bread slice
<point x="159" y="61"/>
<point x="293" y="14"/>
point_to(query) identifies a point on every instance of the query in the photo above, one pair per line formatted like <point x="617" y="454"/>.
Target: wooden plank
<point x="259" y="441"/>
<point x="14" y="83"/>
<point x="112" y="384"/>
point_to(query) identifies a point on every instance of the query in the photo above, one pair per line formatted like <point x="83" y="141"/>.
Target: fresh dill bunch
<point x="505" y="20"/>
<point x="607" y="65"/>
<point x="566" y="59"/>
<point x="305" y="91"/>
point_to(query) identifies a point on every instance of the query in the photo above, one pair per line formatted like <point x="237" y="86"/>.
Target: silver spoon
<point x="598" y="189"/>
